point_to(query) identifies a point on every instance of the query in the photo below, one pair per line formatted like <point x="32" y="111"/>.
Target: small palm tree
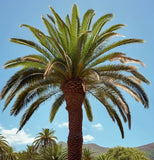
<point x="11" y="155"/>
<point x="87" y="154"/>
<point x="53" y="152"/>
<point x="45" y="138"/>
<point x="3" y="147"/>
<point x="103" y="157"/>
<point x="73" y="63"/>
<point x="29" y="154"/>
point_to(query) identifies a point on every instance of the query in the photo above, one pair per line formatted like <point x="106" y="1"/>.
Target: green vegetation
<point x="54" y="151"/>
<point x="75" y="59"/>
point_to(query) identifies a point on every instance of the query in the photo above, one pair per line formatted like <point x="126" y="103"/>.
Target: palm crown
<point x="75" y="50"/>
<point x="45" y="138"/>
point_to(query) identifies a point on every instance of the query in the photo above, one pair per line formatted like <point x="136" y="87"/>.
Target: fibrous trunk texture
<point x="74" y="92"/>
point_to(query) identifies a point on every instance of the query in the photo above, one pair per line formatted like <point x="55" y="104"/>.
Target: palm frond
<point x="22" y="82"/>
<point x="32" y="45"/>
<point x="130" y="83"/>
<point x="55" y="107"/>
<point x="32" y="109"/>
<point x="114" y="27"/>
<point x="111" y="111"/>
<point x="116" y="44"/>
<point x="87" y="18"/>
<point x="88" y="109"/>
<point x="106" y="57"/>
<point x="97" y="26"/>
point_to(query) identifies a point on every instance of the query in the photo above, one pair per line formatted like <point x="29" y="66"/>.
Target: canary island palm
<point x="75" y="60"/>
<point x="45" y="138"/>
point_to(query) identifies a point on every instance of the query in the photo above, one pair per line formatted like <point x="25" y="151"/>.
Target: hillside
<point x="148" y="149"/>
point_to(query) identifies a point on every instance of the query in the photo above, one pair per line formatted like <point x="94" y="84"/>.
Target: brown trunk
<point x="74" y="92"/>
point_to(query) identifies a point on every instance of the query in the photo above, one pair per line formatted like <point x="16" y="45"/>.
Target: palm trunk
<point x="74" y="92"/>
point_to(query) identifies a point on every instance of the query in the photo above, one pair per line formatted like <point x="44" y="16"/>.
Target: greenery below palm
<point x="44" y="139"/>
<point x="73" y="63"/>
<point x="87" y="154"/>
<point x="53" y="152"/>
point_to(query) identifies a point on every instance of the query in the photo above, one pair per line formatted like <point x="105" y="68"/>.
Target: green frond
<point x="51" y="18"/>
<point x="63" y="32"/>
<point x="29" y="112"/>
<point x="116" y="44"/>
<point x="68" y="21"/>
<point x="14" y="79"/>
<point x="21" y="83"/>
<point x="114" y="27"/>
<point x="88" y="109"/>
<point x="55" y="107"/>
<point x="74" y="30"/>
<point x="74" y="27"/>
<point x="32" y="45"/>
<point x="119" y="123"/>
<point x="97" y="26"/>
<point x="111" y="111"/>
<point x="87" y="18"/>
<point x="51" y="29"/>
<point x="119" y="101"/>
<point x="42" y="38"/>
<point x="115" y="67"/>
<point x="30" y="92"/>
<point x="94" y="48"/>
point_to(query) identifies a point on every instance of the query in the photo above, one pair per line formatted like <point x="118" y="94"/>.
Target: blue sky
<point x="137" y="15"/>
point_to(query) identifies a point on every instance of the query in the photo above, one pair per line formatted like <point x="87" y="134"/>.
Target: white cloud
<point x="98" y="126"/>
<point x="16" y="138"/>
<point x="88" y="138"/>
<point x="65" y="124"/>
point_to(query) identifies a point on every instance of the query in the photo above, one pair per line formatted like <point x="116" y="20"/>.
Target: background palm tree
<point x="3" y="147"/>
<point x="87" y="154"/>
<point x="72" y="64"/>
<point x="45" y="138"/>
<point x="53" y="152"/>
<point x="29" y="154"/>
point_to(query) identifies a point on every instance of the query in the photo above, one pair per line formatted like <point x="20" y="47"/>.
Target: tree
<point x="122" y="153"/>
<point x="71" y="65"/>
<point x="103" y="156"/>
<point x="3" y="147"/>
<point x="87" y="154"/>
<point x="11" y="155"/>
<point x="53" y="152"/>
<point x="45" y="138"/>
<point x="29" y="154"/>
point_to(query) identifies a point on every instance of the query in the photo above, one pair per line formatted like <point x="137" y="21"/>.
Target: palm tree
<point x="29" y="154"/>
<point x="53" y="152"/>
<point x="45" y="138"/>
<point x="3" y="147"/>
<point x="73" y="64"/>
<point x="11" y="155"/>
<point x="87" y="154"/>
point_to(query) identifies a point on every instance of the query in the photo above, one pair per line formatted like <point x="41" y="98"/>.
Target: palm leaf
<point x="32" y="109"/>
<point x="32" y="45"/>
<point x="88" y="109"/>
<point x="116" y="44"/>
<point x="87" y="18"/>
<point x="55" y="107"/>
